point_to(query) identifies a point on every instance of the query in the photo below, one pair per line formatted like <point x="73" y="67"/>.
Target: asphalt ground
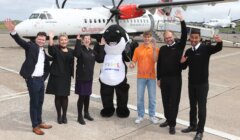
<point x="222" y="107"/>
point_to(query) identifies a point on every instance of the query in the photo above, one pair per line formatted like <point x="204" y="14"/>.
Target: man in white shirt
<point x="34" y="70"/>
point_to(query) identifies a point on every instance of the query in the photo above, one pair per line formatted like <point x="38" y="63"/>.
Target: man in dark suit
<point x="169" y="74"/>
<point x="34" y="70"/>
<point x="197" y="59"/>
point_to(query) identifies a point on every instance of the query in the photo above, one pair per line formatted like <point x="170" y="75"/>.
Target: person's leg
<point x="141" y="84"/>
<point x="86" y="108"/>
<point x="165" y="89"/>
<point x="80" y="107"/>
<point x="107" y="93"/>
<point x="174" y="99"/>
<point x="202" y="93"/>
<point x="64" y="103"/>
<point x="193" y="105"/>
<point x="58" y="108"/>
<point x="151" y="86"/>
<point x="41" y="88"/>
<point x="122" y="99"/>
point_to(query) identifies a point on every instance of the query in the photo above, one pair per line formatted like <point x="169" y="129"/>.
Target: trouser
<point x="171" y="93"/>
<point x="36" y="94"/>
<point x="198" y="96"/>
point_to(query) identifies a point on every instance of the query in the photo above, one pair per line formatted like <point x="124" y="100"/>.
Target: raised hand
<point x="217" y="38"/>
<point x="9" y="24"/>
<point x="51" y="35"/>
<point x="79" y="37"/>
<point x="103" y="42"/>
<point x="179" y="15"/>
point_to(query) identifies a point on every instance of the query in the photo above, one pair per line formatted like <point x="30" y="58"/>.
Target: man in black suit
<point x="34" y="70"/>
<point x="197" y="59"/>
<point x="169" y="74"/>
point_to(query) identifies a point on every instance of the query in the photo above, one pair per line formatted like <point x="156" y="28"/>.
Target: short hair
<point x="147" y="33"/>
<point x="86" y="35"/>
<point x="62" y="35"/>
<point x="196" y="31"/>
<point x="42" y="34"/>
<point x="167" y="31"/>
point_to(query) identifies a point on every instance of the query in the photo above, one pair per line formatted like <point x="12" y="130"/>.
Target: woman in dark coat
<point x="59" y="82"/>
<point x="84" y="75"/>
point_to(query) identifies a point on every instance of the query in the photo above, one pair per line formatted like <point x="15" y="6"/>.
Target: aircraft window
<point x="85" y="20"/>
<point x="138" y="20"/>
<point x="43" y="16"/>
<point x="90" y="21"/>
<point x="95" y="21"/>
<point x="49" y="16"/>
<point x="99" y="20"/>
<point x="103" y="20"/>
<point x="34" y="16"/>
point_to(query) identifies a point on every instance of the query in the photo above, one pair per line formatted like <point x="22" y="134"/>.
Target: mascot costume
<point x="113" y="71"/>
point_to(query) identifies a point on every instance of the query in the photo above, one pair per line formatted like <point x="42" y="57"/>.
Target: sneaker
<point x="138" y="120"/>
<point x="154" y="120"/>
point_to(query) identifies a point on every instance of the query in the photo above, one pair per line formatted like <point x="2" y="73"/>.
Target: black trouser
<point x="198" y="95"/>
<point x="36" y="94"/>
<point x="83" y="100"/>
<point x="171" y="93"/>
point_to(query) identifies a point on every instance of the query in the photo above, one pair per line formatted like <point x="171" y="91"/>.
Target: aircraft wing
<point x="181" y="3"/>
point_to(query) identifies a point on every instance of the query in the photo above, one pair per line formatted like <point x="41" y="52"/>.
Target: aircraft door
<point x="151" y="21"/>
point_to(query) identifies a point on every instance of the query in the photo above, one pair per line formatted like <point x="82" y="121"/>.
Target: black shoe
<point x="198" y="136"/>
<point x="81" y="120"/>
<point x="189" y="129"/>
<point x="172" y="130"/>
<point x="64" y="119"/>
<point x="165" y="124"/>
<point x="59" y="120"/>
<point x="88" y="117"/>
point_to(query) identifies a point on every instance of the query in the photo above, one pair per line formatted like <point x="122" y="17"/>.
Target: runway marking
<point x="10" y="70"/>
<point x="13" y="96"/>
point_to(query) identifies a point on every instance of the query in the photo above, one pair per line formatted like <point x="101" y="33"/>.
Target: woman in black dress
<point x="59" y="82"/>
<point x="84" y="75"/>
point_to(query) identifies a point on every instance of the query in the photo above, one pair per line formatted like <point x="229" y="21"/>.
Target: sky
<point x="22" y="9"/>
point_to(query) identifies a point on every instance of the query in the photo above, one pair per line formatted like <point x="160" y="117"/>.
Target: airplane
<point x="135" y="19"/>
<point x="220" y="23"/>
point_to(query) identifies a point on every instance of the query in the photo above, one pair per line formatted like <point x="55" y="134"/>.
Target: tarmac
<point x="222" y="107"/>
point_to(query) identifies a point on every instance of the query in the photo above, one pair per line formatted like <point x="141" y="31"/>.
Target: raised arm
<point x="51" y="49"/>
<point x="77" y="50"/>
<point x="218" y="46"/>
<point x="183" y="39"/>
<point x="10" y="25"/>
<point x="99" y="51"/>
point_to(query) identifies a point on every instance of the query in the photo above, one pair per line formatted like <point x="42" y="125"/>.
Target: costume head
<point x="116" y="39"/>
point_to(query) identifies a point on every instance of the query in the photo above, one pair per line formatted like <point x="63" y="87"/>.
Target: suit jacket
<point x="31" y="54"/>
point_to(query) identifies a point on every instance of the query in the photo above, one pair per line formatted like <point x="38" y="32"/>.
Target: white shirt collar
<point x="196" y="47"/>
<point x="171" y="44"/>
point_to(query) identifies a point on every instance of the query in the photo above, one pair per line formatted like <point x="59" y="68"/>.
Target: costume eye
<point x="118" y="31"/>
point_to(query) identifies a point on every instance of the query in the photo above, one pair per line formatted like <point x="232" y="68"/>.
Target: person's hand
<point x="159" y="83"/>
<point x="103" y="42"/>
<point x="179" y="15"/>
<point x="217" y="38"/>
<point x="153" y="41"/>
<point x="131" y="65"/>
<point x="183" y="59"/>
<point x="9" y="24"/>
<point x="79" y="37"/>
<point x="51" y="35"/>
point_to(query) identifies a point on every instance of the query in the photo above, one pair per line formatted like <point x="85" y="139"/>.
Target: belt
<point x="37" y="77"/>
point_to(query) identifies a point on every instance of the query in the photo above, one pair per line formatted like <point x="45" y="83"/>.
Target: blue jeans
<point x="36" y="94"/>
<point x="151" y="86"/>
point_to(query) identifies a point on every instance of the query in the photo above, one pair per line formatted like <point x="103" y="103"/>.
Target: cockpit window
<point x="49" y="16"/>
<point x="43" y="16"/>
<point x="34" y="16"/>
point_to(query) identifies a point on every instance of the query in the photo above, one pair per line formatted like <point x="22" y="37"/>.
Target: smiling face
<point x="195" y="39"/>
<point x="86" y="40"/>
<point x="168" y="38"/>
<point x="63" y="41"/>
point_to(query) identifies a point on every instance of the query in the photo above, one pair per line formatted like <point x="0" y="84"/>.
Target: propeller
<point x="63" y="4"/>
<point x="115" y="12"/>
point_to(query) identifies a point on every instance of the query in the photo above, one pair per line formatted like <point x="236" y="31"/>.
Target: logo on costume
<point x="112" y="66"/>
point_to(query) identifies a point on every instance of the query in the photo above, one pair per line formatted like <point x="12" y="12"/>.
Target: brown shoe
<point x="37" y="131"/>
<point x="45" y="126"/>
